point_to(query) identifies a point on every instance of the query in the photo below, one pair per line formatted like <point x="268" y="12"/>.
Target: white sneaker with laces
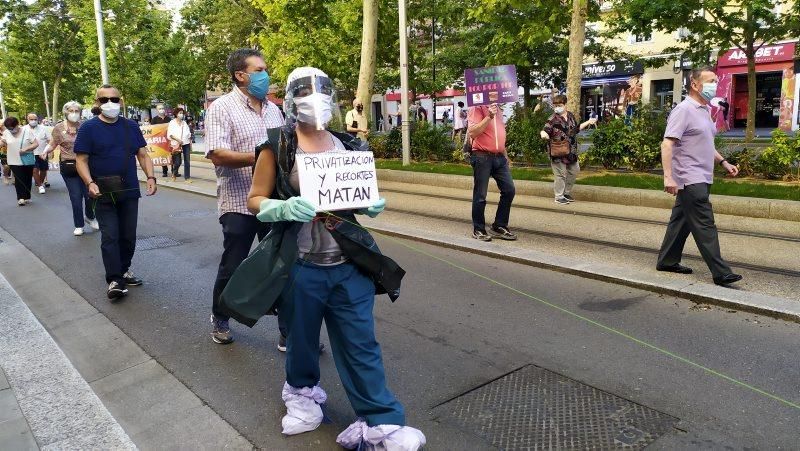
<point x="78" y="231"/>
<point x="92" y="223"/>
<point x="21" y="202"/>
<point x="41" y="189"/>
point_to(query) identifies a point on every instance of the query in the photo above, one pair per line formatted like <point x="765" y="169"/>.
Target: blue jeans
<point x="118" y="222"/>
<point x="343" y="297"/>
<point x="79" y="198"/>
<point x="187" y="159"/>
<point x="485" y="165"/>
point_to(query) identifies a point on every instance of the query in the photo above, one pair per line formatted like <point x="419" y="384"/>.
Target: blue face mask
<point x="259" y="84"/>
<point x="709" y="91"/>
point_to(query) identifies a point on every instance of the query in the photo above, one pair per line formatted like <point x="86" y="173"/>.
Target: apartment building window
<point x="662" y="95"/>
<point x="640" y="38"/>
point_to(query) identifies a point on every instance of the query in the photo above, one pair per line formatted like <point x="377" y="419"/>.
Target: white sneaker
<point x="92" y="223"/>
<point x="41" y="189"/>
<point x="21" y="202"/>
<point x="78" y="231"/>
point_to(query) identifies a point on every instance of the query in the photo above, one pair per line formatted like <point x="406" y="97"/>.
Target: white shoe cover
<point x="303" y="413"/>
<point x="384" y="437"/>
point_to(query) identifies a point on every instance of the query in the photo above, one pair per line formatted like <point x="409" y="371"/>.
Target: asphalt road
<point x="450" y="331"/>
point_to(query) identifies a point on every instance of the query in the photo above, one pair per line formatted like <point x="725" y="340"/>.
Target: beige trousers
<point x="564" y="175"/>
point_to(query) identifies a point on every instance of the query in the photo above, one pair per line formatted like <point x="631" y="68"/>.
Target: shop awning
<point x="605" y="81"/>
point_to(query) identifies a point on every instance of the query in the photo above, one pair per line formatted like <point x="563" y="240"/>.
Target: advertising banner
<point x="488" y="85"/>
<point x="766" y="54"/>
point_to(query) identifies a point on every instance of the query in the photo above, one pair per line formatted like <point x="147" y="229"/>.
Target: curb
<point x="153" y="407"/>
<point x="752" y="207"/>
<point x="697" y="292"/>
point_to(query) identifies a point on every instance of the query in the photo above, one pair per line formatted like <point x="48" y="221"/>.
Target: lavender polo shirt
<point x="693" y="155"/>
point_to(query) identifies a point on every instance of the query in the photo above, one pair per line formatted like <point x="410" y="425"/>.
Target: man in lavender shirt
<point x="688" y="156"/>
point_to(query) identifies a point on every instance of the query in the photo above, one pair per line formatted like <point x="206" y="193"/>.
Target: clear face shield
<point x="311" y="99"/>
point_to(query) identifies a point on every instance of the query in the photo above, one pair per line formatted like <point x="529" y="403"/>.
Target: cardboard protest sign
<point x="488" y="85"/>
<point x="338" y="180"/>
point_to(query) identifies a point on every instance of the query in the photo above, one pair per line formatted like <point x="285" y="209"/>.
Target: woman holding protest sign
<point x="323" y="267"/>
<point x="64" y="134"/>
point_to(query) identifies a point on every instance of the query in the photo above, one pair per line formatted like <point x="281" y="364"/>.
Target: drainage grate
<point x="533" y="408"/>
<point x="188" y="214"/>
<point x="155" y="242"/>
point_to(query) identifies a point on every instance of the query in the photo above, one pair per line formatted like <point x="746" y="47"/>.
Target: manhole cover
<point x="533" y="408"/>
<point x="155" y="242"/>
<point x="188" y="214"/>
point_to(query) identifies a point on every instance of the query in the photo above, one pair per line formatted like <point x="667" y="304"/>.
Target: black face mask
<point x="359" y="108"/>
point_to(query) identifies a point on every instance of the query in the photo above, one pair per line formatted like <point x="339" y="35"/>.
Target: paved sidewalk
<point x="48" y="393"/>
<point x="553" y="256"/>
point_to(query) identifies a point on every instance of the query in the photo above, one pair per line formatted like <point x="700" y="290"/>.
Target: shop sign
<point x="765" y="54"/>
<point x="612" y="69"/>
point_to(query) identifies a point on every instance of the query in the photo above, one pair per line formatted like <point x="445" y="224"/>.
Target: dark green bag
<point x="256" y="285"/>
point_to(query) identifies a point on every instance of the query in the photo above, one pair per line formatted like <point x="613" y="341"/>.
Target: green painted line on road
<point x="585" y="319"/>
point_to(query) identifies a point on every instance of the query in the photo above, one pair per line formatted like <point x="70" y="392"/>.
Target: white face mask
<point x="110" y="110"/>
<point x="314" y="109"/>
<point x="73" y="117"/>
<point x="161" y="111"/>
<point x="180" y="116"/>
<point x="33" y="123"/>
<point x="559" y="110"/>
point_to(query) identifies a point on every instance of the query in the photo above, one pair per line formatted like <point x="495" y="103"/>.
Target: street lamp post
<point x="405" y="122"/>
<point x="101" y="40"/>
<point x="433" y="57"/>
<point x="46" y="100"/>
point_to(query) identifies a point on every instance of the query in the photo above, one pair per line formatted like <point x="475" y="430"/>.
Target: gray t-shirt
<point x="693" y="155"/>
<point x="314" y="241"/>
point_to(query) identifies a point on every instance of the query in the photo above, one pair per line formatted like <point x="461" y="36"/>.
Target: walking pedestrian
<point x="357" y="124"/>
<point x="180" y="142"/>
<point x="42" y="137"/>
<point x="161" y="118"/>
<point x="561" y="133"/>
<point x="688" y="155"/>
<point x="4" y="158"/>
<point x="324" y="282"/>
<point x="63" y="137"/>
<point x="460" y="124"/>
<point x="107" y="148"/>
<point x="20" y="145"/>
<point x="490" y="159"/>
<point x="236" y="123"/>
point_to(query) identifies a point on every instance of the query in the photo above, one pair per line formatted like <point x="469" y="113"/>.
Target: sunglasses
<point x="103" y="100"/>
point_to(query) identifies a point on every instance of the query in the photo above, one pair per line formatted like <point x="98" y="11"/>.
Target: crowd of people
<point x="323" y="266"/>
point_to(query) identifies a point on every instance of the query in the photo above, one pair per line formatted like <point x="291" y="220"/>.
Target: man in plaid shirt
<point x="235" y="124"/>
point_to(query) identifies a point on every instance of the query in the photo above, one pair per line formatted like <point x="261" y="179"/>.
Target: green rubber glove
<point x="293" y="209"/>
<point x="375" y="209"/>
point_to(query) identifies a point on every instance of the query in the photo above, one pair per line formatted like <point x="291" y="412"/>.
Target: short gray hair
<point x="695" y="74"/>
<point x="71" y="104"/>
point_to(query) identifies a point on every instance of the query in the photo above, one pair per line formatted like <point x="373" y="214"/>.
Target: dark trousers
<point x="177" y="158"/>
<point x="484" y="166"/>
<point x="165" y="170"/>
<point x="692" y="213"/>
<point x="187" y="159"/>
<point x="118" y="221"/>
<point x="23" y="180"/>
<point x="238" y="232"/>
<point x="79" y="198"/>
<point x="344" y="298"/>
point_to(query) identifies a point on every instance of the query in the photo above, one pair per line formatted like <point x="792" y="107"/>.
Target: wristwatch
<point x="723" y="161"/>
<point x="152" y="178"/>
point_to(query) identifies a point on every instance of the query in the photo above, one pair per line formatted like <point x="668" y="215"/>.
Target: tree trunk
<point x="56" y="90"/>
<point x="369" y="38"/>
<point x="750" y="131"/>
<point x="577" y="36"/>
<point x="527" y="100"/>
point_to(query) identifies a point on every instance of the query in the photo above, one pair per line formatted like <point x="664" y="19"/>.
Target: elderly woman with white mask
<point x="325" y="277"/>
<point x="63" y="137"/>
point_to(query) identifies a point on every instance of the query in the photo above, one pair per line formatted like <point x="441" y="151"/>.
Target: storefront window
<point x="662" y="95"/>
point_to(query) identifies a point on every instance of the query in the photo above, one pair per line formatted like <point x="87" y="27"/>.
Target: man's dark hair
<point x="695" y="74"/>
<point x="11" y="122"/>
<point x="237" y="61"/>
<point x="461" y="104"/>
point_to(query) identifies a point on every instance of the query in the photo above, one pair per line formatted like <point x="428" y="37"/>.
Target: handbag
<point x="68" y="168"/>
<point x="27" y="158"/>
<point x="559" y="148"/>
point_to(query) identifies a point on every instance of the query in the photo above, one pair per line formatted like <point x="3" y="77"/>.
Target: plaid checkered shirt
<point x="233" y="124"/>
